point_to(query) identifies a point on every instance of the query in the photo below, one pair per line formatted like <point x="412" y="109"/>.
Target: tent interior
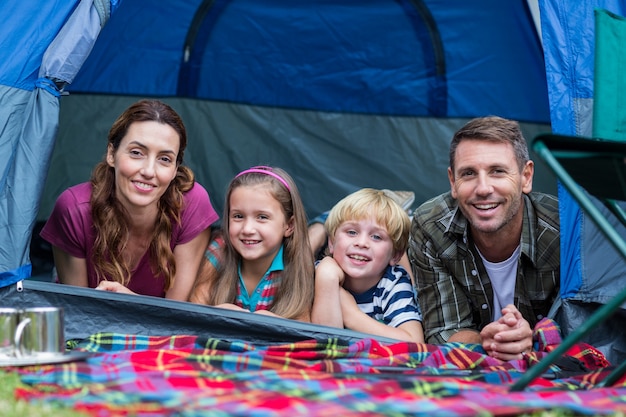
<point x="340" y="96"/>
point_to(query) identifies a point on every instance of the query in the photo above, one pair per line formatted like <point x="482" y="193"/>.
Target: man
<point x="485" y="255"/>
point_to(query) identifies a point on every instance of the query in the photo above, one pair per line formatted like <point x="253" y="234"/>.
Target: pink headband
<point x="262" y="169"/>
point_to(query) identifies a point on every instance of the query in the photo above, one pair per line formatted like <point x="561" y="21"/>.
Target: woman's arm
<point x="70" y="269"/>
<point x="188" y="257"/>
<point x="203" y="283"/>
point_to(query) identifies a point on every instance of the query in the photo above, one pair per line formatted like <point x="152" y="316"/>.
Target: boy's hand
<point x="328" y="269"/>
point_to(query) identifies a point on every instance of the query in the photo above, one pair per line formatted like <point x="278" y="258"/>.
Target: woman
<point x="141" y="224"/>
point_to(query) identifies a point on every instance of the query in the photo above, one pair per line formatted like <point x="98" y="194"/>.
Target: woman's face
<point x="145" y="164"/>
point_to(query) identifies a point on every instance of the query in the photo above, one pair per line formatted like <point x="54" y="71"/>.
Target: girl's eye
<point x="263" y="217"/>
<point x="236" y="216"/>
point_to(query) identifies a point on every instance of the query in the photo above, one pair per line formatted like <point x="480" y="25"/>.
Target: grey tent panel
<point x="88" y="311"/>
<point x="328" y="154"/>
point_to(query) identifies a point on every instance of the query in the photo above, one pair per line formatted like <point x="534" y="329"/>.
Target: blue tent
<point x="592" y="270"/>
<point x="341" y="94"/>
<point x="42" y="46"/>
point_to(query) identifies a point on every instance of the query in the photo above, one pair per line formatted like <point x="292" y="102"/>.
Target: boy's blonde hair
<point x="371" y="203"/>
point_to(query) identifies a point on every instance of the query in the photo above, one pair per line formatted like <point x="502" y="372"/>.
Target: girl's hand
<point x="230" y="306"/>
<point x="113" y="286"/>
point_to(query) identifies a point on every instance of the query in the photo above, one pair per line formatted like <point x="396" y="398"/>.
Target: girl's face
<point x="144" y="164"/>
<point x="257" y="225"/>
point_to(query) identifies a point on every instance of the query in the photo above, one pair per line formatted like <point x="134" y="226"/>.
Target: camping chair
<point x="600" y="168"/>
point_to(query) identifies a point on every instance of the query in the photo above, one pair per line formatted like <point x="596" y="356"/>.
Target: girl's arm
<point x="326" y="302"/>
<point x="355" y="319"/>
<point x="70" y="269"/>
<point x="188" y="257"/>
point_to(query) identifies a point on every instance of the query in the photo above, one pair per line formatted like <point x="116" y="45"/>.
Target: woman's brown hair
<point x="111" y="219"/>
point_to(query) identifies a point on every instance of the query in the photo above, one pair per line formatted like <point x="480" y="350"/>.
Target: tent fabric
<point x="341" y="95"/>
<point x="609" y="110"/>
<point x="591" y="267"/>
<point x="24" y="177"/>
<point x="35" y="65"/>
<point x="87" y="310"/>
<point x="410" y="58"/>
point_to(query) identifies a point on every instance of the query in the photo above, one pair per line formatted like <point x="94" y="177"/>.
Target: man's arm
<point x="445" y="304"/>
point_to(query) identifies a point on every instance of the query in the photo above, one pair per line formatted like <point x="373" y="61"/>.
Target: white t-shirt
<point x="503" y="276"/>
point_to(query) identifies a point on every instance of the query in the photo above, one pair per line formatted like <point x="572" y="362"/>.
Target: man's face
<point x="488" y="185"/>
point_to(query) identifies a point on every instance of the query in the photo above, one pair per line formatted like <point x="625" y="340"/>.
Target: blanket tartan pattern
<point x="191" y="376"/>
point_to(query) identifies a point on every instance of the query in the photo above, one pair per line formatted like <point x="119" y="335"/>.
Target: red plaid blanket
<point x="189" y="375"/>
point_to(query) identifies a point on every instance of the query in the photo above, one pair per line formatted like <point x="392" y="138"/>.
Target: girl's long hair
<point x="294" y="297"/>
<point x="110" y="218"/>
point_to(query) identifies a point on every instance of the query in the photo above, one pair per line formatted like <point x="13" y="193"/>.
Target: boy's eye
<point x="377" y="237"/>
<point x="351" y="232"/>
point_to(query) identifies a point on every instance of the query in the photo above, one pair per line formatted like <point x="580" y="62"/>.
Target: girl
<point x="262" y="262"/>
<point x="141" y="224"/>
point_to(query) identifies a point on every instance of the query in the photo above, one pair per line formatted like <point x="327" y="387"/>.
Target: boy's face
<point x="363" y="250"/>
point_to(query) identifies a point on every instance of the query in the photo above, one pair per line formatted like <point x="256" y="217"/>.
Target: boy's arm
<point x="326" y="302"/>
<point x="355" y="319"/>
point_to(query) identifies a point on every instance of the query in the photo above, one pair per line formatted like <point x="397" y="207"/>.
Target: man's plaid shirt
<point x="452" y="284"/>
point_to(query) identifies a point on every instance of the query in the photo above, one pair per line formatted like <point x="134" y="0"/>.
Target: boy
<point x="360" y="286"/>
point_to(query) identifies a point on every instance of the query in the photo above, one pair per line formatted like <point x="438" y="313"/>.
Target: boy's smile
<point x="363" y="250"/>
